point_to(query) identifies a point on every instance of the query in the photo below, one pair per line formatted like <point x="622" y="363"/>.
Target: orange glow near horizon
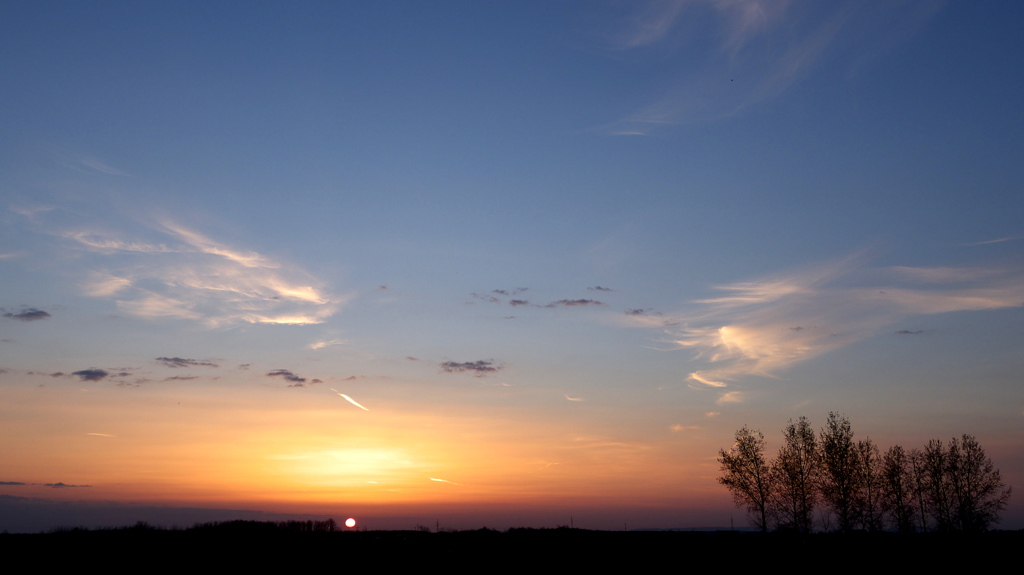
<point x="148" y="446"/>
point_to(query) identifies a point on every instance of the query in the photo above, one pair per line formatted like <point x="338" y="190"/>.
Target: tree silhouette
<point x="746" y="474"/>
<point x="869" y="483"/>
<point x="952" y="487"/>
<point x="795" y="477"/>
<point x="898" y="489"/>
<point x="839" y="470"/>
<point x="976" y="490"/>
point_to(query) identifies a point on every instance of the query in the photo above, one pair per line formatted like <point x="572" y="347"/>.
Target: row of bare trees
<point x="855" y="487"/>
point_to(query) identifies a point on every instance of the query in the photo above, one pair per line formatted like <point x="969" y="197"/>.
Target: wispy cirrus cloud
<point x="85" y="163"/>
<point x="193" y="277"/>
<point x="766" y="326"/>
<point x="726" y="55"/>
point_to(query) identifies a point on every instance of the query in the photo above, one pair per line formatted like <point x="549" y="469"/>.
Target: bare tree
<point x="898" y="489"/>
<point x="746" y="474"/>
<point x="952" y="487"/>
<point x="795" y="477"/>
<point x="839" y="470"/>
<point x="919" y="473"/>
<point x="936" y="485"/>
<point x="976" y="490"/>
<point x="869" y="485"/>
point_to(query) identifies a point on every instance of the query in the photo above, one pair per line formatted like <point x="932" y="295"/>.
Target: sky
<point x="465" y="264"/>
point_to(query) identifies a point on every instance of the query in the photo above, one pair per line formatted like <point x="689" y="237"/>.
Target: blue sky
<point x="572" y="239"/>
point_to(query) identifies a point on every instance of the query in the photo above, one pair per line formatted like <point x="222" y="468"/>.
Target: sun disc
<point x="350" y="523"/>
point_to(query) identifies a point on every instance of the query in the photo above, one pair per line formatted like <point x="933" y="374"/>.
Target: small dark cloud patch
<point x="357" y="377"/>
<point x="796" y="328"/>
<point x="91" y="374"/>
<point x="382" y="287"/>
<point x="287" y="375"/>
<point x="599" y="288"/>
<point x="300" y="384"/>
<point x="317" y="381"/>
<point x="486" y="298"/>
<point x="480" y="368"/>
<point x="57" y="374"/>
<point x="180" y="378"/>
<point x="574" y="303"/>
<point x="908" y="332"/>
<point x="28" y="314"/>
<point x="516" y="302"/>
<point x="58" y="485"/>
<point x="645" y="312"/>
<point x="411" y="358"/>
<point x="185" y="362"/>
<point x="244" y="366"/>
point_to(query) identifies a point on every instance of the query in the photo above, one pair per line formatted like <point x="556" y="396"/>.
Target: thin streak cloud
<point x="327" y="342"/>
<point x="350" y="400"/>
<point x="995" y="241"/>
<point x="649" y="23"/>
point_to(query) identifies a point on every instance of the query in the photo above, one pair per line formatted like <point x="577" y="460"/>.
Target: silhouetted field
<point x="252" y="544"/>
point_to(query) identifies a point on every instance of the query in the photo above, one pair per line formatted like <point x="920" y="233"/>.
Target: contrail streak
<point x="349" y="399"/>
<point x="444" y="481"/>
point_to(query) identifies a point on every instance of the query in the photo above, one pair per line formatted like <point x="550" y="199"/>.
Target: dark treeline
<point x="831" y="482"/>
<point x="237" y="525"/>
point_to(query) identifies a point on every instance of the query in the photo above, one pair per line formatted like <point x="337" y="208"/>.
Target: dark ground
<point x="261" y="546"/>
